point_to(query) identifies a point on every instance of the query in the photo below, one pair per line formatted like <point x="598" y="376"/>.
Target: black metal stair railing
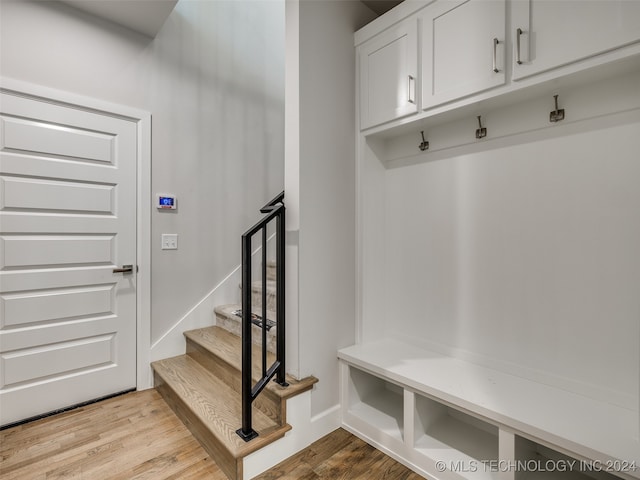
<point x="274" y="210"/>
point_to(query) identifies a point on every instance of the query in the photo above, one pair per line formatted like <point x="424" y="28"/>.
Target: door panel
<point x="34" y="137"/>
<point x="56" y="304"/>
<point x="67" y="219"/>
<point x="462" y="49"/>
<point x="55" y="359"/>
<point x="21" y="251"/>
<point x="388" y="72"/>
<point x="565" y="31"/>
<point x="43" y="195"/>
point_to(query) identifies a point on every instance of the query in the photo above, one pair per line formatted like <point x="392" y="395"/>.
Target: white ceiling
<point x="143" y="16"/>
<point x="148" y="16"/>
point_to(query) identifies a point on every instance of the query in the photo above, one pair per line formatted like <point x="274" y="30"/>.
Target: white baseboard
<point x="305" y="430"/>
<point x="325" y="422"/>
<point x="172" y="343"/>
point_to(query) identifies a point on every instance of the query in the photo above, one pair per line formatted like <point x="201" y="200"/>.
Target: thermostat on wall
<point x="166" y="202"/>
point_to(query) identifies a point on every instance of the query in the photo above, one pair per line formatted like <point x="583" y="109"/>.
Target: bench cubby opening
<point x="537" y="462"/>
<point x="376" y="402"/>
<point x="444" y="433"/>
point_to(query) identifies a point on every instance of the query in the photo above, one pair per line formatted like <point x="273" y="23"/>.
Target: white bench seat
<point x="574" y="424"/>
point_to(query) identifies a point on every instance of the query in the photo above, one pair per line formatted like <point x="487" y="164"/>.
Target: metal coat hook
<point x="481" y="132"/>
<point x="424" y="145"/>
<point x="557" y="114"/>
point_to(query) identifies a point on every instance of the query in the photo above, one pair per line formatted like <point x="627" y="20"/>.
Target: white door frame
<point x="143" y="205"/>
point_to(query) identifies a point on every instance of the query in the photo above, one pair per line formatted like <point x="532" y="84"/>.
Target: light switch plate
<point x="169" y="241"/>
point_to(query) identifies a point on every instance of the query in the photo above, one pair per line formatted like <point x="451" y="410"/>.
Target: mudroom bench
<point x="450" y="419"/>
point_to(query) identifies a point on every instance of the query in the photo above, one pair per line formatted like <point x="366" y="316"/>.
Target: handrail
<point x="275" y="209"/>
<point x="278" y="200"/>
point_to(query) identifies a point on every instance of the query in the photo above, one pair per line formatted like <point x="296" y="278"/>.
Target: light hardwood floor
<point x="137" y="436"/>
<point x="339" y="456"/>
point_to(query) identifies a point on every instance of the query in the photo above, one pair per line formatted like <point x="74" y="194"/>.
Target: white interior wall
<point x="325" y="185"/>
<point x="521" y="254"/>
<point x="213" y="80"/>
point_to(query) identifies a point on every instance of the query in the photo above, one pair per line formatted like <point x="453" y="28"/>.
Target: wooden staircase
<point x="203" y="388"/>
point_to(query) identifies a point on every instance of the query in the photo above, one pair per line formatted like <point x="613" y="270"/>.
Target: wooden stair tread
<point x="228" y="347"/>
<point x="216" y="405"/>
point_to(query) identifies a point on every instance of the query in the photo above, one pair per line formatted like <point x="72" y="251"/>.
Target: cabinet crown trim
<point x="389" y="19"/>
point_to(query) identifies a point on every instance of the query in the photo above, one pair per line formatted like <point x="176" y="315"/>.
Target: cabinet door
<point x="388" y="71"/>
<point x="463" y="50"/>
<point x="553" y="34"/>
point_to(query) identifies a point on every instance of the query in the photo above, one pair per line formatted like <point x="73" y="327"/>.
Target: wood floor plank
<point x="137" y="436"/>
<point x="339" y="456"/>
<point x="94" y="444"/>
<point x="197" y="471"/>
<point x="134" y="435"/>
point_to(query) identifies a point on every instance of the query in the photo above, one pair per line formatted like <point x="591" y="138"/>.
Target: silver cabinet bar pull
<point x="495" y="54"/>
<point x="124" y="269"/>
<point x="518" y="35"/>
<point x="410" y="98"/>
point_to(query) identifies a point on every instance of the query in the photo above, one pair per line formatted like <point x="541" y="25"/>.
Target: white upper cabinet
<point x="549" y="34"/>
<point x="463" y="49"/>
<point x="388" y="74"/>
<point x="470" y="51"/>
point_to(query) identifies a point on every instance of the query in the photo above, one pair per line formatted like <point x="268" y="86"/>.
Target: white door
<point x="463" y="49"/>
<point x="388" y="75"/>
<point x="67" y="222"/>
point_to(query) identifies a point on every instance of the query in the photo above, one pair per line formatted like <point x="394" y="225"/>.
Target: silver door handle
<point x="495" y="54"/>
<point x="519" y="33"/>
<point x="124" y="269"/>
<point x="410" y="97"/>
